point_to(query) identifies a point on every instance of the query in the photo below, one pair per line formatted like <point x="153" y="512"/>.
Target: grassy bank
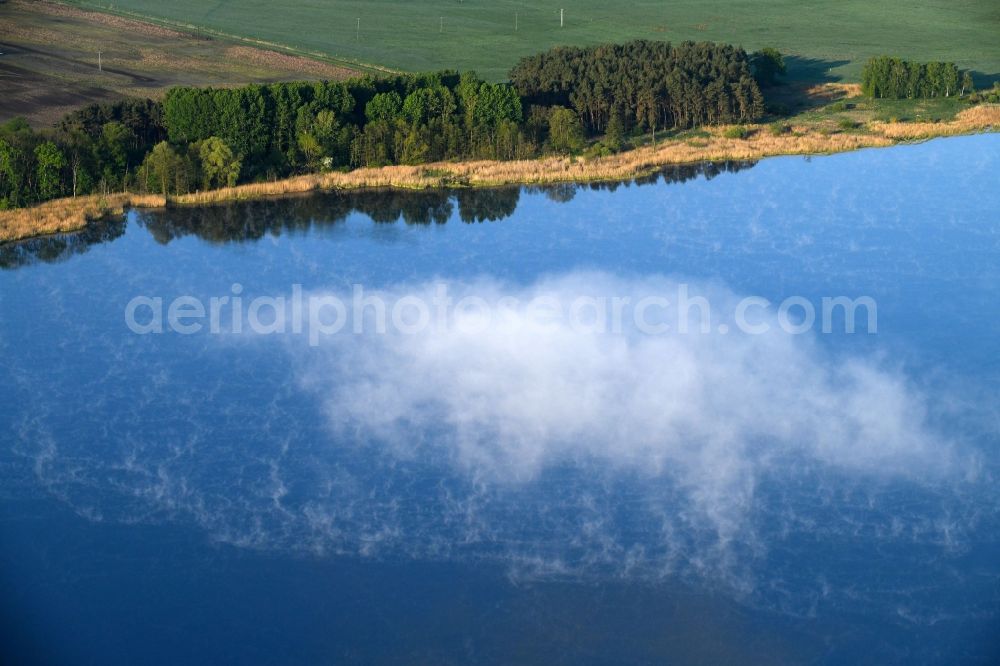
<point x="812" y="133"/>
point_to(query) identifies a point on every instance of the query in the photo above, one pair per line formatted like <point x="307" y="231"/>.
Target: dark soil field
<point x="49" y="61"/>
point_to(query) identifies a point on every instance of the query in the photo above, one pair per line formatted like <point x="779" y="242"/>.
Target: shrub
<point x="599" y="149"/>
<point x="697" y="133"/>
<point x="840" y="106"/>
<point x="777" y="129"/>
<point x="736" y="132"/>
<point x="847" y="124"/>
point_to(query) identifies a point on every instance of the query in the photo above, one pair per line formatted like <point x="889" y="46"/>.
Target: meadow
<point x="49" y="60"/>
<point x="828" y="40"/>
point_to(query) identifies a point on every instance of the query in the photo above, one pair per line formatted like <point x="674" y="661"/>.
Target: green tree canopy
<point x="384" y="106"/>
<point x="220" y="168"/>
<point x="894" y="78"/>
<point x="565" y="130"/>
<point x="614" y="136"/>
<point x="767" y="64"/>
<point x="51" y="162"/>
<point x="161" y="167"/>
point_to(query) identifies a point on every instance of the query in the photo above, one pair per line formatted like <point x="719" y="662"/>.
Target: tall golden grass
<point x="979" y="117"/>
<point x="64" y="215"/>
<point x="833" y="91"/>
<point x="620" y="166"/>
<point x="70" y="214"/>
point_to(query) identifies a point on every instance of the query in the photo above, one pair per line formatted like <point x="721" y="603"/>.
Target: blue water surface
<point x="518" y="495"/>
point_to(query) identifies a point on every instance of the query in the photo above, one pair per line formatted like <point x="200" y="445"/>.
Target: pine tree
<point x="614" y="137"/>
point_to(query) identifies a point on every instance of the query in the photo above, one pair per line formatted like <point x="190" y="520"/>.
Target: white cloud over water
<point x="676" y="454"/>
<point x="709" y="412"/>
<point x="553" y="449"/>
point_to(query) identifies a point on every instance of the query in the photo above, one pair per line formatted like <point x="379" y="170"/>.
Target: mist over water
<point x="551" y="450"/>
<point x="833" y="495"/>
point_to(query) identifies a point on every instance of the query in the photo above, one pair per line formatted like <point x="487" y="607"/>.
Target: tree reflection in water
<point x="253" y="220"/>
<point x="50" y="249"/>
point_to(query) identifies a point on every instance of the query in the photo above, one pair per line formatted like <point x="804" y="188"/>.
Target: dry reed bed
<point x="801" y="140"/>
<point x="64" y="215"/>
<point x="976" y="118"/>
<point x="551" y="169"/>
<point x="70" y="214"/>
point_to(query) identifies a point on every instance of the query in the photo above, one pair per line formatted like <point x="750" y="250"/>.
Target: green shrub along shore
<point x="556" y="103"/>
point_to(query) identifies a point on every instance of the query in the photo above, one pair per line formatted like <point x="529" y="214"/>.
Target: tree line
<point x="252" y="220"/>
<point x="894" y="78"/>
<point x="201" y="138"/>
<point x="644" y="84"/>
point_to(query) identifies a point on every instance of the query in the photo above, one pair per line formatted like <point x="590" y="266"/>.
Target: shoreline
<point x="68" y="215"/>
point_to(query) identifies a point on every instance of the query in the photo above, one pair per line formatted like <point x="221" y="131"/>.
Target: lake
<point x="587" y="424"/>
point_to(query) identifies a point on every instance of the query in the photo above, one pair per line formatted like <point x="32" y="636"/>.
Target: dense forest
<point x="647" y="84"/>
<point x="201" y="138"/>
<point x="893" y="78"/>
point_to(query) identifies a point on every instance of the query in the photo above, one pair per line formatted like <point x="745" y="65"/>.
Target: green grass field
<point x="829" y="38"/>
